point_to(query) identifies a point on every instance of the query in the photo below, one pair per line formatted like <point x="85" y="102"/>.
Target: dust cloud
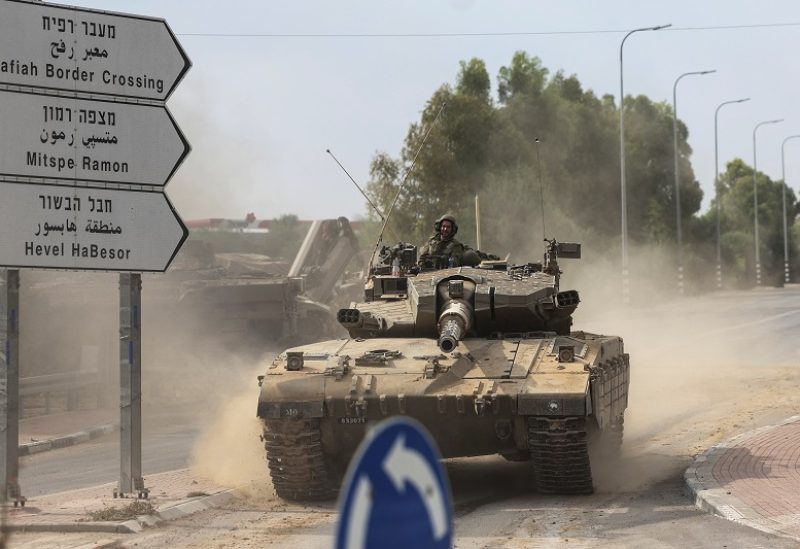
<point x="229" y="451"/>
<point x="210" y="382"/>
<point x="69" y="323"/>
<point x="215" y="180"/>
<point x="207" y="376"/>
<point x="199" y="368"/>
<point x="703" y="368"/>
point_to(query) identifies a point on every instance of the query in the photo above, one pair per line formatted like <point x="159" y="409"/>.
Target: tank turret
<point x="489" y="299"/>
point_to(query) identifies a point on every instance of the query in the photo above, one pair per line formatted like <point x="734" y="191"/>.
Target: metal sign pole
<point x="9" y="387"/>
<point x="130" y="378"/>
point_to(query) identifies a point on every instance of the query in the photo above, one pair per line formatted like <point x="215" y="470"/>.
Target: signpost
<point x="86" y="147"/>
<point x="65" y="140"/>
<point x="396" y="493"/>
<point x="49" y="226"/>
<point x="81" y="50"/>
<point x="9" y="383"/>
<point x="130" y="397"/>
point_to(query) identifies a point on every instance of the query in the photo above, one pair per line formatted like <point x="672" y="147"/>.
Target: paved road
<point x="166" y="444"/>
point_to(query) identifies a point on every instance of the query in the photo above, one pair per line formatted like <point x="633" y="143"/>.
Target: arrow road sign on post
<point x="396" y="493"/>
<point x="61" y="140"/>
<point x="82" y="50"/>
<point x="49" y="226"/>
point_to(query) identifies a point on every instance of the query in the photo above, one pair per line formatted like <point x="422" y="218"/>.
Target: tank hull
<point x="536" y="397"/>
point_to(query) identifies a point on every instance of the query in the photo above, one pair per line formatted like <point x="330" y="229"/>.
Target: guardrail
<point x="70" y="383"/>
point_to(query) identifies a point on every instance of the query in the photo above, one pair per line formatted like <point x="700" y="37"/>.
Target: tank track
<point x="298" y="467"/>
<point x="560" y="453"/>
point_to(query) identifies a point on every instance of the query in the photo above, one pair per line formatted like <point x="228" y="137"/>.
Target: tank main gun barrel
<point x="454" y="322"/>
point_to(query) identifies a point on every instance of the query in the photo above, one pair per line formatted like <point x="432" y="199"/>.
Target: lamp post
<point x="786" y="277"/>
<point x="623" y="200"/>
<point x="716" y="185"/>
<point x="677" y="173"/>
<point x="755" y="198"/>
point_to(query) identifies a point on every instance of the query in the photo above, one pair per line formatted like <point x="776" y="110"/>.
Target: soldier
<point x="442" y="250"/>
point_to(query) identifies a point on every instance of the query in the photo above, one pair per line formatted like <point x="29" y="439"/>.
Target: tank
<point x="248" y="297"/>
<point x="483" y="356"/>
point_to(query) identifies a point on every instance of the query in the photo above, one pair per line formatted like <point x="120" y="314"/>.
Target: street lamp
<point x="786" y="277"/>
<point x="624" y="205"/>
<point x="755" y="197"/>
<point x="677" y="175"/>
<point x="716" y="186"/>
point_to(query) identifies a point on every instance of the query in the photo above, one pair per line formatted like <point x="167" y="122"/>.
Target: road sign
<point x="61" y="140"/>
<point x="82" y="50"/>
<point x="55" y="227"/>
<point x="396" y="493"/>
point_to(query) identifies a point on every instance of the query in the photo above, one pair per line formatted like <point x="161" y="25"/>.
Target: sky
<point x="261" y="110"/>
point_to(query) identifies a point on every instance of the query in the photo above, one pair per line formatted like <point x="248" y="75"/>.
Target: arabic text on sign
<point x="47" y="228"/>
<point x="59" y="49"/>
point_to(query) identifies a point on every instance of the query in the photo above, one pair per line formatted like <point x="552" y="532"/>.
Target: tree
<point x="450" y="164"/>
<point x="738" y="223"/>
<point x="543" y="157"/>
<point x="525" y="76"/>
<point x="651" y="172"/>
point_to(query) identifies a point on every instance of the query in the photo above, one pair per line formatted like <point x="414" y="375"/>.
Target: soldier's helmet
<point x="446" y="217"/>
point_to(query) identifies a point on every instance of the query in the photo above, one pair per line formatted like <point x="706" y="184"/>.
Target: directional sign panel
<point x="81" y="50"/>
<point x="65" y="140"/>
<point x="54" y="227"/>
<point x="396" y="493"/>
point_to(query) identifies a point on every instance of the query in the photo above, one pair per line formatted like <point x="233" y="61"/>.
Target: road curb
<point x="185" y="508"/>
<point x="713" y="498"/>
<point x="168" y="512"/>
<point x="101" y="544"/>
<point x="29" y="448"/>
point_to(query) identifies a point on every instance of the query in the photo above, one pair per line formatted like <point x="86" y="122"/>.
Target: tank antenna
<point x="541" y="185"/>
<point x="371" y="203"/>
<point x="478" y="221"/>
<point x="402" y="183"/>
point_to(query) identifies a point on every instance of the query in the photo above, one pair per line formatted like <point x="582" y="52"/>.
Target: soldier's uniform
<point x="442" y="253"/>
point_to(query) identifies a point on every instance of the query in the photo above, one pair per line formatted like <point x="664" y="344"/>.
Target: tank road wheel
<point x="560" y="455"/>
<point x="296" y="463"/>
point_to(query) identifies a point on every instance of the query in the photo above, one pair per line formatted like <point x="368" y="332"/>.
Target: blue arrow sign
<point x="396" y="493"/>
